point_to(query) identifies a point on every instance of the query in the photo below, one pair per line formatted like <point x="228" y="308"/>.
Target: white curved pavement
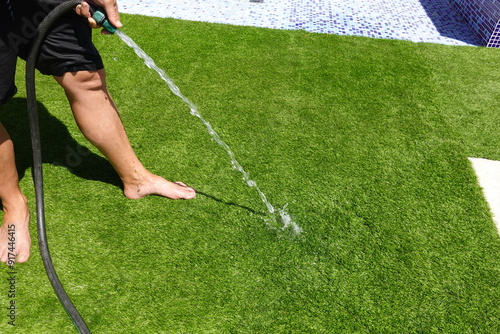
<point x="488" y="175"/>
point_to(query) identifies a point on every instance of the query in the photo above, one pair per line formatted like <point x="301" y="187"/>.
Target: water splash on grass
<point x="281" y="216"/>
<point x="287" y="221"/>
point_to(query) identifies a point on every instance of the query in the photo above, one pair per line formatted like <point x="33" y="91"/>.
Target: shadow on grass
<point x="230" y="203"/>
<point x="58" y="146"/>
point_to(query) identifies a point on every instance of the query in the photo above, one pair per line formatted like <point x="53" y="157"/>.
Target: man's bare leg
<point x="99" y="120"/>
<point x="14" y="232"/>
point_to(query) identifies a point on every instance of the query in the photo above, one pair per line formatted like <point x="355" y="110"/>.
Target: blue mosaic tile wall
<point x="483" y="16"/>
<point x="494" y="41"/>
<point x="429" y="21"/>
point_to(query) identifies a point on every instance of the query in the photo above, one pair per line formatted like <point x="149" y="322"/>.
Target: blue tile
<point x="432" y="21"/>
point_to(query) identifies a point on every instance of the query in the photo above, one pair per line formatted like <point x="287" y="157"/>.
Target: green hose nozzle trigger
<point x="100" y="17"/>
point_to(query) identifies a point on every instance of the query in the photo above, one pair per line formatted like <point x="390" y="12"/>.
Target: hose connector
<point x="99" y="16"/>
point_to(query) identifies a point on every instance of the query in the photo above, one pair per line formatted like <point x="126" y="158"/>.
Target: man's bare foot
<point x="156" y="185"/>
<point x="15" y="238"/>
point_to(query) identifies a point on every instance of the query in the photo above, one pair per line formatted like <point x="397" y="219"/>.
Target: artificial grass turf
<point x="366" y="140"/>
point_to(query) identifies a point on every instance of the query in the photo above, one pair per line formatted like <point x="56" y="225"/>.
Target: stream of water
<point x="283" y="218"/>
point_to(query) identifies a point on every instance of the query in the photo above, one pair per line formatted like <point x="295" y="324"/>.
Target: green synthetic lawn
<point x="366" y="140"/>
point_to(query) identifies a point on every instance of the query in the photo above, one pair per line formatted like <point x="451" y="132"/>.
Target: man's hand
<point x="111" y="8"/>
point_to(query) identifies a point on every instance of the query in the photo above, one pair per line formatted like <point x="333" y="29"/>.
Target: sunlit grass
<point x="365" y="140"/>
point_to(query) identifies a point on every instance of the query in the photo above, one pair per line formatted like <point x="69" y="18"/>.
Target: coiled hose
<point x="43" y="29"/>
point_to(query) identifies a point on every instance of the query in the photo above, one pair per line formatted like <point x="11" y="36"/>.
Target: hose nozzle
<point x="99" y="16"/>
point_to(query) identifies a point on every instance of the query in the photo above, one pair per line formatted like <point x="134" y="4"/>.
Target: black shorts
<point x="7" y="73"/>
<point x="68" y="46"/>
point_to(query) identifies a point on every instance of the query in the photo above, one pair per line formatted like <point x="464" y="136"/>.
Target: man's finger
<point x="111" y="8"/>
<point x="83" y="9"/>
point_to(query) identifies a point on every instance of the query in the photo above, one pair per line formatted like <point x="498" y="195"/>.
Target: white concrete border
<point x="488" y="174"/>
